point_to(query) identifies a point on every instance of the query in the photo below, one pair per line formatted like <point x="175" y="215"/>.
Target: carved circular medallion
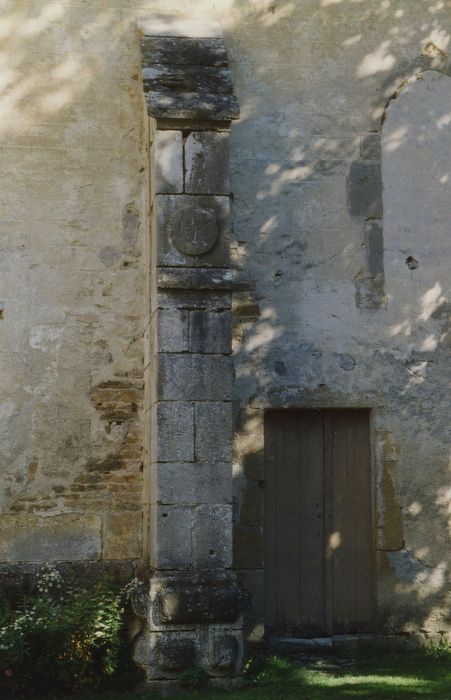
<point x="195" y="231"/>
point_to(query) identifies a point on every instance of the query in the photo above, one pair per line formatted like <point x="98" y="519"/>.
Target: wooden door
<point x="319" y="553"/>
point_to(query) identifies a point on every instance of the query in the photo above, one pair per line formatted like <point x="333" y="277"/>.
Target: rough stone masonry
<point x="195" y="612"/>
<point x="339" y="248"/>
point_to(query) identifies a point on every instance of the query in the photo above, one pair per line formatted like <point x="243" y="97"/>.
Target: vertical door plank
<point x="294" y="523"/>
<point x="311" y="518"/>
<point x="352" y="537"/>
<point x="341" y="545"/>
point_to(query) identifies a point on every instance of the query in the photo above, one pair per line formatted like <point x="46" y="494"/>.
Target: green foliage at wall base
<point x="65" y="638"/>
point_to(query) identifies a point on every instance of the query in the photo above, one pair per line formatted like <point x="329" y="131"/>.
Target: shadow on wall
<point x="71" y="204"/>
<point x="317" y="85"/>
<point x="313" y="79"/>
<point x="44" y="70"/>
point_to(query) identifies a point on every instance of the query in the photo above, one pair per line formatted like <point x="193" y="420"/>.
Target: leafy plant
<point x="442" y="650"/>
<point x="65" y="638"/>
<point x="273" y="669"/>
<point x="193" y="678"/>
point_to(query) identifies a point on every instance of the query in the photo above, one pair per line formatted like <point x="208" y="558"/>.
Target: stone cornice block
<point x="184" y="51"/>
<point x="187" y="79"/>
<point x="191" y="105"/>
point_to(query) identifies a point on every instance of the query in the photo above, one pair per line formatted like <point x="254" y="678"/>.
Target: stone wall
<point x="341" y="315"/>
<point x="73" y="222"/>
<point x="333" y="307"/>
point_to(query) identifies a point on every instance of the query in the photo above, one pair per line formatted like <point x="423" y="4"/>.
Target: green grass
<point x="395" y="677"/>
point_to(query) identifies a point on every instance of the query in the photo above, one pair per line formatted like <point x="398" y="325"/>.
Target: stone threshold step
<point x="319" y="643"/>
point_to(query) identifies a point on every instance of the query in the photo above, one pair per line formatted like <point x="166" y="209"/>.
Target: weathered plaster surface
<point x="417" y="196"/>
<point x="322" y="319"/>
<point x="72" y="221"/>
<point x="340" y="315"/>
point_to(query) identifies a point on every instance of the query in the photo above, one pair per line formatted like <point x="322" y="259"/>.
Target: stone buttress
<point x="194" y="613"/>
